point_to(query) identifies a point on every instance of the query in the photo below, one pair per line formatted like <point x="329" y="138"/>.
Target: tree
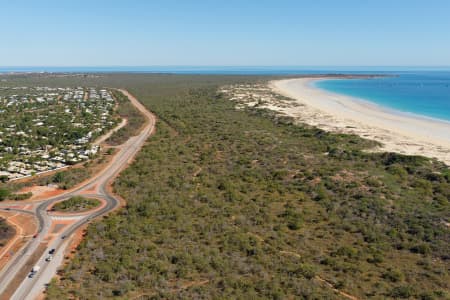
<point x="4" y="193"/>
<point x="59" y="177"/>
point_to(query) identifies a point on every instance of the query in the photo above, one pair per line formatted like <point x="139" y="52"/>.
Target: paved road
<point x="30" y="288"/>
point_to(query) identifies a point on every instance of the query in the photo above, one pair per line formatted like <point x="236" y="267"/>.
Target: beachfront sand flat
<point x="396" y="131"/>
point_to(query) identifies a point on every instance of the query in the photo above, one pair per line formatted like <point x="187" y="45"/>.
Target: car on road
<point x="49" y="258"/>
<point x="34" y="271"/>
<point x="35" y="236"/>
<point x="63" y="237"/>
<point x="7" y="208"/>
<point x="52" y="251"/>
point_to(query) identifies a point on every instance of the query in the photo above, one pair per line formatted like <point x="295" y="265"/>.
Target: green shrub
<point x="4" y="193"/>
<point x="76" y="204"/>
<point x="393" y="275"/>
<point x="19" y="197"/>
<point x="403" y="292"/>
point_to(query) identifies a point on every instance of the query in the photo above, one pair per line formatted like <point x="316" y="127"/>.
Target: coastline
<point x="396" y="131"/>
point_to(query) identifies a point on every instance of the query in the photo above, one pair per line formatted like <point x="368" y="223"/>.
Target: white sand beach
<point x="398" y="132"/>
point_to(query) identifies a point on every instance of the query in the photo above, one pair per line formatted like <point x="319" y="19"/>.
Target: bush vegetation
<point x="6" y="194"/>
<point x="6" y="232"/>
<point x="76" y="204"/>
<point x="242" y="204"/>
<point x="228" y="204"/>
<point x="135" y="120"/>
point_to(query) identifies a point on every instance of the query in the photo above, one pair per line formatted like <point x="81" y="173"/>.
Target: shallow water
<point x="422" y="93"/>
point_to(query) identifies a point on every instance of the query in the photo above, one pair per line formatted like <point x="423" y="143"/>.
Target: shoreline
<point x="385" y="109"/>
<point x="396" y="131"/>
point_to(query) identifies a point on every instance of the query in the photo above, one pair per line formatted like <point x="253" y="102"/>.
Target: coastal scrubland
<point x="243" y="204"/>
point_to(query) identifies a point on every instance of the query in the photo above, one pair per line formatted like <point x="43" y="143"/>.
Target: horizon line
<point x="225" y="66"/>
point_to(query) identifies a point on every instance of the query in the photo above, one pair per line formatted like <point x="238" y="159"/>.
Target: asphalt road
<point x="30" y="288"/>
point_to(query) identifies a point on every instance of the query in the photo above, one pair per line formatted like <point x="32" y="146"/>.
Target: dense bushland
<point x="242" y="204"/>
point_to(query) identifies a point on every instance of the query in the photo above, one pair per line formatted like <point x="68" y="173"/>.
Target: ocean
<point x="425" y="93"/>
<point x="419" y="91"/>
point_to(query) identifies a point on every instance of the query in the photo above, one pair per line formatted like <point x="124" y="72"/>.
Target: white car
<point x="49" y="258"/>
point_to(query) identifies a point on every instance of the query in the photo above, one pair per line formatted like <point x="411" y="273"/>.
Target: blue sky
<point x="230" y="33"/>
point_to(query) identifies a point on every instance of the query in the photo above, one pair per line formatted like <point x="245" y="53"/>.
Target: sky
<point x="225" y="33"/>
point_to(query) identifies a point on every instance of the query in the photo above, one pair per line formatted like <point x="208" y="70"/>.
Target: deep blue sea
<point x="421" y="91"/>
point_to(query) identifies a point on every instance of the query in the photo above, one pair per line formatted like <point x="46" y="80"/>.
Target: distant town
<point x="46" y="128"/>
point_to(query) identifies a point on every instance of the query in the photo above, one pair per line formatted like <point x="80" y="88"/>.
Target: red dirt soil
<point x="25" y="227"/>
<point x="41" y="192"/>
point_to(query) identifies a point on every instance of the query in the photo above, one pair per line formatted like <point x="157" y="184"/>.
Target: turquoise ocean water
<point x="420" y="91"/>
